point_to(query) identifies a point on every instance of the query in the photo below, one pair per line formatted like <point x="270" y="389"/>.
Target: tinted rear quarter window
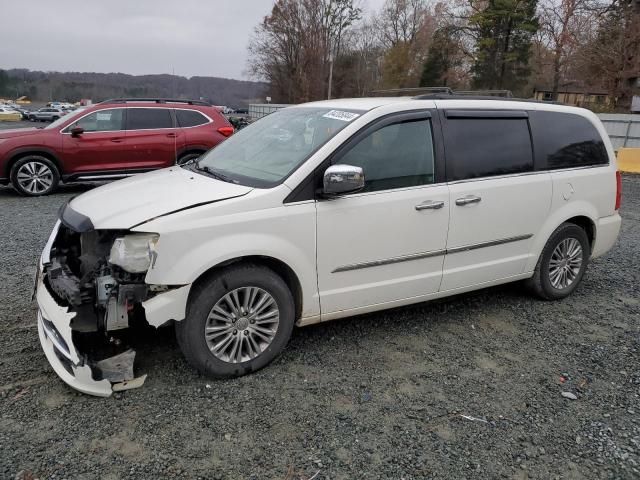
<point x="565" y="140"/>
<point x="190" y="118"/>
<point x="486" y="146"/>
<point x="148" y="118"/>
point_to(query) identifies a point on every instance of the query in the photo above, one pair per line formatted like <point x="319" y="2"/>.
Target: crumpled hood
<point x="19" y="132"/>
<point x="135" y="200"/>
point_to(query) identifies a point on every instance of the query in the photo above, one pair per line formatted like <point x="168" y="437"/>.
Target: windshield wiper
<point x="216" y="175"/>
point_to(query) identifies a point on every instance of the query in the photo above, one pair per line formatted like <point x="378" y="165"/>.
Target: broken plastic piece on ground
<point x="474" y="419"/>
<point x="130" y="384"/>
<point x="118" y="368"/>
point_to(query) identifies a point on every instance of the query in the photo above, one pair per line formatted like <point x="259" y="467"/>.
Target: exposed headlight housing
<point x="134" y="253"/>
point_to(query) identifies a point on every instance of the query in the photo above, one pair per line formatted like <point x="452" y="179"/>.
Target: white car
<point x="363" y="205"/>
<point x="8" y="111"/>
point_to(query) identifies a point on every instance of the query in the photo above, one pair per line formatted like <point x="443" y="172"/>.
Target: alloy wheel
<point x="35" y="177"/>
<point x="242" y="324"/>
<point x="565" y="263"/>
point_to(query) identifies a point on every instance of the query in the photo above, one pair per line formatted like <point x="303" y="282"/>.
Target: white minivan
<point x="322" y="211"/>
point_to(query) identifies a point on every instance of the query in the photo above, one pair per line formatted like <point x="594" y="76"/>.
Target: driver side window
<point x="395" y="156"/>
<point x="101" y="121"/>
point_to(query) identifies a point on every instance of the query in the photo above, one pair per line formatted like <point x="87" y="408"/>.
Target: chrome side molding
<point x="434" y="253"/>
<point x="492" y="243"/>
<point x="377" y="263"/>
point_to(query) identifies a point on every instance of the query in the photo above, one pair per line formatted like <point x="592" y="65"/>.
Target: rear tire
<point x="34" y="176"/>
<point x="212" y="320"/>
<point x="562" y="264"/>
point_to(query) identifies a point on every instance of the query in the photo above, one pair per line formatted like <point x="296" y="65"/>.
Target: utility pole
<point x="330" y="74"/>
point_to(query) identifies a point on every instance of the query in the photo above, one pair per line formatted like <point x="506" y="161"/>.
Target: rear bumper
<point x="54" y="330"/>
<point x="607" y="232"/>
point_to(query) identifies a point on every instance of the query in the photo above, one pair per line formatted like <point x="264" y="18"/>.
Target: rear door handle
<point x="172" y="135"/>
<point x="430" y="205"/>
<point x="116" y="140"/>
<point x="469" y="199"/>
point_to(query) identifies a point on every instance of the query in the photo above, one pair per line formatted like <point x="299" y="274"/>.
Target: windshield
<point x="64" y="118"/>
<point x="265" y="153"/>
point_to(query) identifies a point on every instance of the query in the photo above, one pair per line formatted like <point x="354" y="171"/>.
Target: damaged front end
<point x="90" y="286"/>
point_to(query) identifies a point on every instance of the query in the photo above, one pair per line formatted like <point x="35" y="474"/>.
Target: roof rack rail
<point x="158" y="100"/>
<point x="481" y="97"/>
<point x="413" y="91"/>
<point x="471" y="94"/>
<point x="485" y="93"/>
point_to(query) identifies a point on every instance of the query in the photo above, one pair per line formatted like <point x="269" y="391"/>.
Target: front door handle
<point x="172" y="135"/>
<point x="116" y="140"/>
<point x="469" y="199"/>
<point x="430" y="205"/>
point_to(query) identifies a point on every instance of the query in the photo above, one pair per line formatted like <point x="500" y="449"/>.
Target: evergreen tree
<point x="504" y="29"/>
<point x="441" y="58"/>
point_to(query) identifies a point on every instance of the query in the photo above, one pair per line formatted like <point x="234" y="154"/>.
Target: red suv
<point x="110" y="140"/>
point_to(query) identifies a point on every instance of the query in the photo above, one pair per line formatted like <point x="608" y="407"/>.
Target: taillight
<point x="226" y="131"/>
<point x="618" y="189"/>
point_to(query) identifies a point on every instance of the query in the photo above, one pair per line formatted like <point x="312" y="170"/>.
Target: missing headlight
<point x="134" y="253"/>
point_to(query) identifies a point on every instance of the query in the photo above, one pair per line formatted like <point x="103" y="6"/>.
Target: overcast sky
<point x="188" y="37"/>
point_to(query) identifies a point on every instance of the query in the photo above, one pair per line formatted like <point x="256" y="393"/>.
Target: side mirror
<point x="341" y="179"/>
<point x="76" y="131"/>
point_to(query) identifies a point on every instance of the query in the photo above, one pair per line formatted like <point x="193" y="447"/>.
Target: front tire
<point x="238" y="321"/>
<point x="34" y="176"/>
<point x="188" y="157"/>
<point x="562" y="264"/>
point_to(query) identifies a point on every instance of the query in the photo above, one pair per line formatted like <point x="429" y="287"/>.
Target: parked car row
<point x="110" y="140"/>
<point x="13" y="109"/>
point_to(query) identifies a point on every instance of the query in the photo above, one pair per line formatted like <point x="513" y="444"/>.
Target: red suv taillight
<point x="618" y="189"/>
<point x="225" y="131"/>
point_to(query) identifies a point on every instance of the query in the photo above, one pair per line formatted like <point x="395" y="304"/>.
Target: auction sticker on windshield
<point x="340" y="115"/>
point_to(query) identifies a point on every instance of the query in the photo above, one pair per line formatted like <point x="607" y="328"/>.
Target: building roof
<point x="572" y="89"/>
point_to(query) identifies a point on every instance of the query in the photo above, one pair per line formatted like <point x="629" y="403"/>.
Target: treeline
<point x="463" y="44"/>
<point x="72" y="86"/>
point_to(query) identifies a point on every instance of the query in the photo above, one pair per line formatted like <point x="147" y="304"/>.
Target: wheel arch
<point x="16" y="155"/>
<point x="587" y="224"/>
<point x="189" y="149"/>
<point x="580" y="213"/>
<point x="276" y="265"/>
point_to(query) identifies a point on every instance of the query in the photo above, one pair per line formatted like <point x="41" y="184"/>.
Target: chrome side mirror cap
<point x="342" y="179"/>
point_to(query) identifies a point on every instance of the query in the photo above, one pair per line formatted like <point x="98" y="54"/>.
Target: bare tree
<point x="563" y="25"/>
<point x="612" y="56"/>
<point x="292" y="46"/>
<point x="406" y="28"/>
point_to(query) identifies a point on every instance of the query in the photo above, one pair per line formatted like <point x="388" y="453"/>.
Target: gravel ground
<point x="379" y="396"/>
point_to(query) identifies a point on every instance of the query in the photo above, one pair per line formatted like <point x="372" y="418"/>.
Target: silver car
<point x="46" y="114"/>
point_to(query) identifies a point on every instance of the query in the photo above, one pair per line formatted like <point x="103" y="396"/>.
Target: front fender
<point x="286" y="234"/>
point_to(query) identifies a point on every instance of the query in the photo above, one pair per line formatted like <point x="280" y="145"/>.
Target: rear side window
<point x="565" y="140"/>
<point x="190" y="118"/>
<point x="395" y="156"/>
<point x="485" y="147"/>
<point x="148" y="118"/>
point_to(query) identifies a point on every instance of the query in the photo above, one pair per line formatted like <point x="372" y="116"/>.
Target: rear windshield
<point x="269" y="150"/>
